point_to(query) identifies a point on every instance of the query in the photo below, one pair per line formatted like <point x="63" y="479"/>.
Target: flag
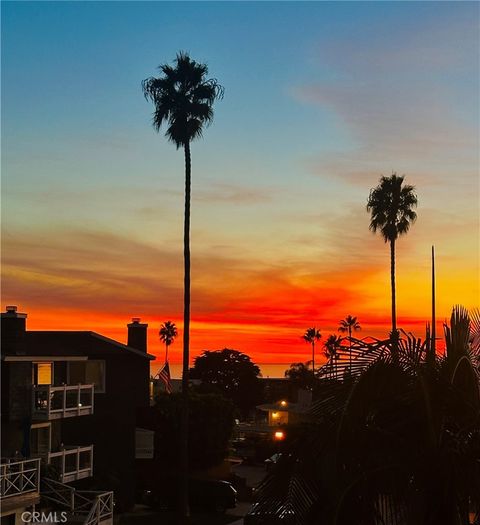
<point x="164" y="376"/>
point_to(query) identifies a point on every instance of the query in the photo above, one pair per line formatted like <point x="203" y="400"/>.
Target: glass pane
<point x="44" y="373"/>
<point x="95" y="374"/>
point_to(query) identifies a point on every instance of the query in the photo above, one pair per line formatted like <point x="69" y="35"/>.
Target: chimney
<point x="13" y="331"/>
<point x="137" y="335"/>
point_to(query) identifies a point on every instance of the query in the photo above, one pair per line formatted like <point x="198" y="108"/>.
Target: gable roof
<point x="77" y="343"/>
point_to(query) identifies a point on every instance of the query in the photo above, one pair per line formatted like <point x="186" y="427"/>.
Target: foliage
<point x="391" y="205"/>
<point x="398" y="442"/>
<point x="210" y="428"/>
<point x="231" y="373"/>
<point x="183" y="99"/>
<point x="168" y="332"/>
<point x="300" y="374"/>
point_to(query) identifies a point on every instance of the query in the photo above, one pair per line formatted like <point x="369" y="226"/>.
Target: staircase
<point x="83" y="507"/>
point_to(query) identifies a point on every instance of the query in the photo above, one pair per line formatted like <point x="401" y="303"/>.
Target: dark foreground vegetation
<point x="392" y="439"/>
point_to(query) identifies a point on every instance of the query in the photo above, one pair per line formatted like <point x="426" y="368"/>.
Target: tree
<point x="300" y="374"/>
<point x="391" y="206"/>
<point x="210" y="426"/>
<point x="310" y="336"/>
<point x="183" y="98"/>
<point x="398" y="443"/>
<point x="331" y="346"/>
<point x="231" y="373"/>
<point x="349" y="324"/>
<point x="168" y="332"/>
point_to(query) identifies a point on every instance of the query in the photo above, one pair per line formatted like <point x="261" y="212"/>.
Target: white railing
<point x="53" y="402"/>
<point x="19" y="477"/>
<point x="92" y="507"/>
<point x="72" y="463"/>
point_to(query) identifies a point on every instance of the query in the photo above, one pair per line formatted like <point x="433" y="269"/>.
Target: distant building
<point x="69" y="403"/>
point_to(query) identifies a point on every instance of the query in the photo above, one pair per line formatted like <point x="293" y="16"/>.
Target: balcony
<point x="72" y="463"/>
<point x="19" y="483"/>
<point x="55" y="402"/>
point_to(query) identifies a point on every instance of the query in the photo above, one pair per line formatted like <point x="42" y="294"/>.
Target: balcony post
<point x="21" y="480"/>
<point x="92" y="396"/>
<point x="64" y="400"/>
<point x="77" y="462"/>
<point x="3" y="483"/>
<point x="78" y="399"/>
<point x="34" y="399"/>
<point x="63" y="464"/>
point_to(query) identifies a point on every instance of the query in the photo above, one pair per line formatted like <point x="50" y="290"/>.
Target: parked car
<point x="271" y="461"/>
<point x="205" y="494"/>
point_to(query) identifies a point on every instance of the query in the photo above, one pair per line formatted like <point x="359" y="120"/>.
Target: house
<point x="69" y="405"/>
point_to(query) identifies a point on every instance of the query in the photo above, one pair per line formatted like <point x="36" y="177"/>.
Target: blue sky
<point x="320" y="100"/>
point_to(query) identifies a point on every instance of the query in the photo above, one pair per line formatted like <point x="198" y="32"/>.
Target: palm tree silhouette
<point x="349" y="324"/>
<point x="331" y="346"/>
<point x="391" y="205"/>
<point x="183" y="98"/>
<point x="167" y="333"/>
<point x="311" y="335"/>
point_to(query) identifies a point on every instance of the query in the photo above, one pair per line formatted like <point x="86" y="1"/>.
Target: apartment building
<point x="69" y="406"/>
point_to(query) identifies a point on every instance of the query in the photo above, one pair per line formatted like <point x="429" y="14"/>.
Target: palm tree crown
<point x="183" y="99"/>
<point x="311" y="335"/>
<point x="349" y="324"/>
<point x="391" y="205"/>
<point x="168" y="332"/>
<point x="331" y="346"/>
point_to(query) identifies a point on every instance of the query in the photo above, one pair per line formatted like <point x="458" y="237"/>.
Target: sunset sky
<point x="321" y="99"/>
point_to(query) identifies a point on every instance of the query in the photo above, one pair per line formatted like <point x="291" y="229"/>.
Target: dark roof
<point x="69" y="343"/>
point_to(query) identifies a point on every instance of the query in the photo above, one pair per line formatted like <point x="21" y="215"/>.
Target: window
<point x="42" y="373"/>
<point x="88" y="372"/>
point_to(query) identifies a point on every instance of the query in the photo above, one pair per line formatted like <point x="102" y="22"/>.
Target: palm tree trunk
<point x="313" y="363"/>
<point x="350" y="348"/>
<point x="166" y="353"/>
<point x="394" y="312"/>
<point x="185" y="511"/>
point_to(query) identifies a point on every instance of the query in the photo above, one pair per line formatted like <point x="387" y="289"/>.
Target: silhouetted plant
<point x="331" y="347"/>
<point x="183" y="98"/>
<point x="391" y="205"/>
<point x="310" y="336"/>
<point x="397" y="444"/>
<point x="349" y="324"/>
<point x="168" y="332"/>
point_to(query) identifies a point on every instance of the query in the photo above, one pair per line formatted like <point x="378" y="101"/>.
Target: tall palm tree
<point x="391" y="206"/>
<point x="331" y="346"/>
<point x="167" y="333"/>
<point x="310" y="336"/>
<point x="183" y="98"/>
<point x="349" y="324"/>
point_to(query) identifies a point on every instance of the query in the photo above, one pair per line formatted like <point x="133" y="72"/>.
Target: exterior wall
<point x="277" y="417"/>
<point x="111" y="428"/>
<point x="19" y="393"/>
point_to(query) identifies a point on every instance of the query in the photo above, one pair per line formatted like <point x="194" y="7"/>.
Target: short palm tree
<point x="311" y="336"/>
<point x="183" y="98"/>
<point x="391" y="206"/>
<point x="331" y="346"/>
<point x="349" y="324"/>
<point x="167" y="333"/>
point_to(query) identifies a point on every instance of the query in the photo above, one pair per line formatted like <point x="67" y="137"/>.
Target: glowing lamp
<point x="274" y="415"/>
<point x="283" y="403"/>
<point x="279" y="435"/>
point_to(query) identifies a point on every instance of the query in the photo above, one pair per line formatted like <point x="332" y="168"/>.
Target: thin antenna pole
<point x="433" y="301"/>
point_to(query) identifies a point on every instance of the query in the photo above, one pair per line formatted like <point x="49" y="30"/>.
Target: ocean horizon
<point x="274" y="370"/>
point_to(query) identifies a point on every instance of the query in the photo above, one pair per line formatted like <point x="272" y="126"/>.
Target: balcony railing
<point x="72" y="463"/>
<point x="54" y="402"/>
<point x="85" y="507"/>
<point x="19" y="477"/>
